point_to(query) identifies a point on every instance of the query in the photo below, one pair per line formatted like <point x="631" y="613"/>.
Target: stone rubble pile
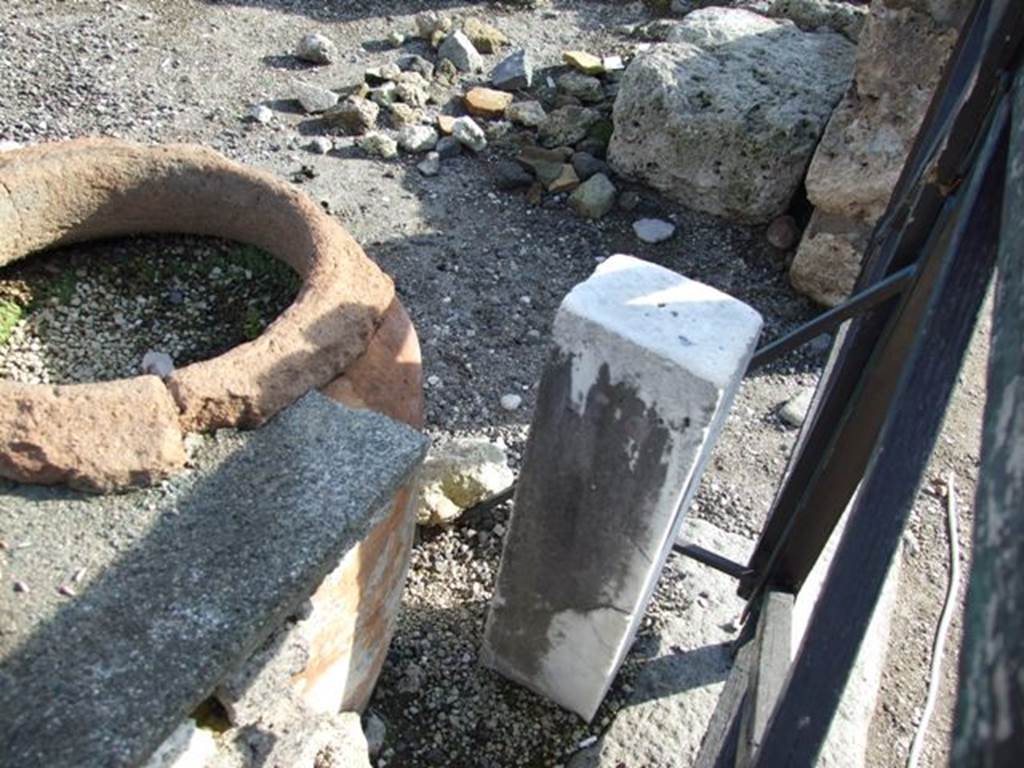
<point x="900" y="58"/>
<point x="457" y="98"/>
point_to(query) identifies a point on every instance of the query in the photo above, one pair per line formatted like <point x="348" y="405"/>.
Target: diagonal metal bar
<point x="838" y="437"/>
<point x="880" y="292"/>
<point x="950" y="298"/>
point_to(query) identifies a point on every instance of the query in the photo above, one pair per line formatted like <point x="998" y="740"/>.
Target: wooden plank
<point x="718" y="750"/>
<point x="772" y="656"/>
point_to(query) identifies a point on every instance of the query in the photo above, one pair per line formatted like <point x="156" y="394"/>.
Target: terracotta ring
<point x="107" y="435"/>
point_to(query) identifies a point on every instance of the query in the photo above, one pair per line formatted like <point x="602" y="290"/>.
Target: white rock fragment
<point x="794" y="410"/>
<point x="612" y="63"/>
<point x="461" y="52"/>
<point x="468" y="133"/>
<point x="313" y="98"/>
<point x="458" y="474"/>
<point x="511" y="402"/>
<point x="260" y="113"/>
<point x="157" y="364"/>
<point x="653" y="230"/>
<point x="417" y="138"/>
<point x="316" y="49"/>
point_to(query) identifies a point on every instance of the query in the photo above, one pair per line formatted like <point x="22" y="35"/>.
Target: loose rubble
<point x="316" y="49"/>
<point x="514" y="73"/>
<point x="380" y="144"/>
<point x="594" y="197"/>
<point x="460" y="51"/>
<point x="417" y="138"/>
<point x="458" y="715"/>
<point x="653" y="230"/>
<point x="468" y="133"/>
<point x="313" y="98"/>
<point x="458" y="474"/>
<point x="355" y="115"/>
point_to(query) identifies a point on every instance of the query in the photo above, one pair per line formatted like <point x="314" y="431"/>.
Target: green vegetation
<point x="10" y="314"/>
<point x="61" y="288"/>
<point x="252" y="325"/>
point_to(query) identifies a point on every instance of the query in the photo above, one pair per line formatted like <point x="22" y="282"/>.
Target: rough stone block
<point x="828" y="261"/>
<point x="726" y="116"/>
<point x="644" y="368"/>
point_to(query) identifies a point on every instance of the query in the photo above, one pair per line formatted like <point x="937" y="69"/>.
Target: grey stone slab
<point x="686" y="663"/>
<point x="181" y="582"/>
<point x="691" y="667"/>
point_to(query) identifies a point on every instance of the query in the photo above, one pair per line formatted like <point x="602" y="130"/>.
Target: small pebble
<point x="431" y="165"/>
<point x="653" y="230"/>
<point x="157" y="364"/>
<point x="794" y="410"/>
<point x="316" y="49"/>
<point x="321" y="145"/>
<point x="783" y="233"/>
<point x="261" y="114"/>
<point x="511" y="402"/>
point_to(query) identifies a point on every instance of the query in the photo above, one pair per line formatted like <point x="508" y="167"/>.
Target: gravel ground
<point x="481" y="272"/>
<point x="190" y="298"/>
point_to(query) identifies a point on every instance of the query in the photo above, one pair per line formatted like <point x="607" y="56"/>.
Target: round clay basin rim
<point x="67" y="192"/>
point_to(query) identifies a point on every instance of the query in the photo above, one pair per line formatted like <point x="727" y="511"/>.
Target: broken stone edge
<point x="86" y="189"/>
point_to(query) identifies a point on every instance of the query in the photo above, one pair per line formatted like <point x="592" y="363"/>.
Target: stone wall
<point x="900" y="57"/>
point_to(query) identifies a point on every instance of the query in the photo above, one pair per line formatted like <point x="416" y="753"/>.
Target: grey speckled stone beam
<point x="185" y="581"/>
<point x="643" y="372"/>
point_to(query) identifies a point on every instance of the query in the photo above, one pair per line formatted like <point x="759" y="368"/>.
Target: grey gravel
<point x="156" y="303"/>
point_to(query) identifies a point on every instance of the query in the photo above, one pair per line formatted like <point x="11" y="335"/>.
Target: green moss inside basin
<point x="90" y="312"/>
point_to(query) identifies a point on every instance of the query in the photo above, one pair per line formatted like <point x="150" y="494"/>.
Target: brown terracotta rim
<point x="68" y="192"/>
